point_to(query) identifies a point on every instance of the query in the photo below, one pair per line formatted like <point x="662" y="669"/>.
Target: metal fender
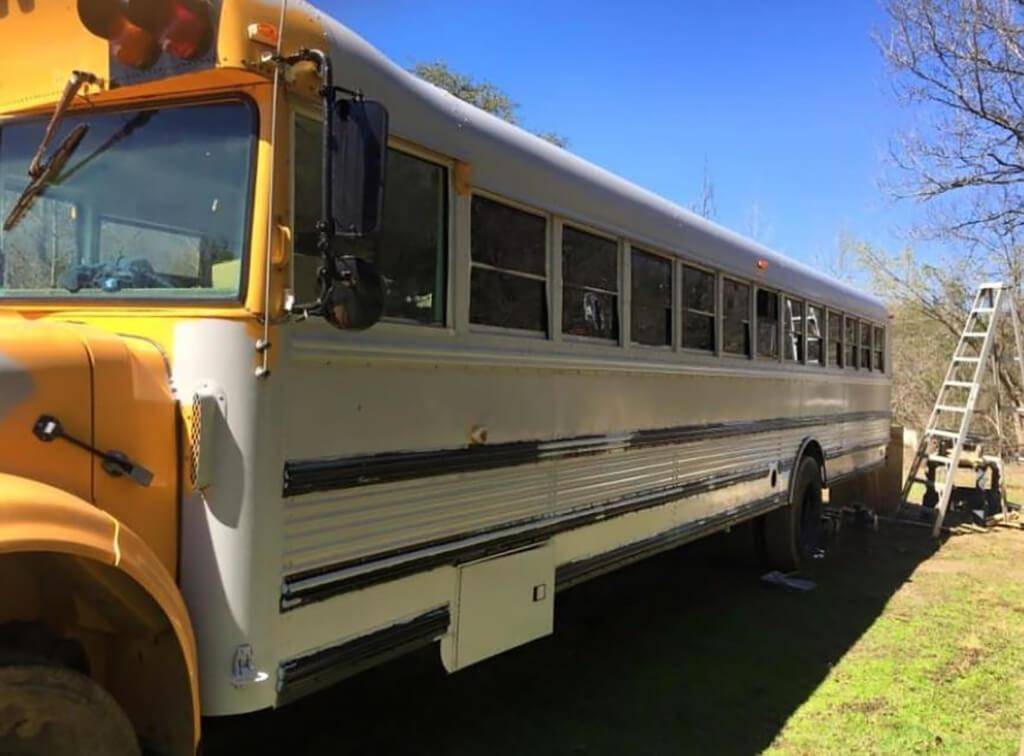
<point x="809" y="446"/>
<point x="38" y="518"/>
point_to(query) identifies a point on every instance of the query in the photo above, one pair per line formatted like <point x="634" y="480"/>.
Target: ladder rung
<point x="967" y="359"/>
<point x="942" y="433"/>
<point x="983" y="311"/>
<point x="959" y="384"/>
<point x="949" y="408"/>
<point x="940" y="459"/>
<point x="975" y="335"/>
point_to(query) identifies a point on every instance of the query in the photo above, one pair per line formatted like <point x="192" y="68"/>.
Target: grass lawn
<point x="905" y="646"/>
<point x="942" y="668"/>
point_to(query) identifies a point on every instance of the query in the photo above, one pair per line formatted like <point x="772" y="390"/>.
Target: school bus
<point x="305" y="363"/>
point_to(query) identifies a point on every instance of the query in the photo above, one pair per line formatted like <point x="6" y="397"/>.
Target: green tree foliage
<point x="923" y="302"/>
<point x="483" y="94"/>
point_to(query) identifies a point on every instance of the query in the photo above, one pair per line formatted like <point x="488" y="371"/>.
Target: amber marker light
<point x="264" y="34"/>
<point x="762" y="264"/>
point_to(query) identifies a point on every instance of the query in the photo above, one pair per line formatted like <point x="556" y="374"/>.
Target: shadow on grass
<point x="673" y="655"/>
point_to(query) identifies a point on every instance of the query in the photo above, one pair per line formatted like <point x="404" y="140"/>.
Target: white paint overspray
<point x="15" y="384"/>
<point x="230" y="536"/>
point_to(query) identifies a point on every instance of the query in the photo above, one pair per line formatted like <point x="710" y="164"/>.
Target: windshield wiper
<point x="137" y="121"/>
<point x="42" y="173"/>
<point x="50" y="171"/>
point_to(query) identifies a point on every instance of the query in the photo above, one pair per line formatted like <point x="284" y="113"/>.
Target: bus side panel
<point x="556" y="440"/>
<point x="382" y="475"/>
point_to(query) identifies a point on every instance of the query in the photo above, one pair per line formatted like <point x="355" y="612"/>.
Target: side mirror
<point x="354" y="300"/>
<point x="359" y="163"/>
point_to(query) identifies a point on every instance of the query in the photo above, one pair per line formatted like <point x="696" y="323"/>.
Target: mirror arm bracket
<point x="325" y="226"/>
<point x="355" y="94"/>
<point x="332" y="270"/>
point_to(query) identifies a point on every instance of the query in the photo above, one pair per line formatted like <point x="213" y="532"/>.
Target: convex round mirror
<point x="354" y="300"/>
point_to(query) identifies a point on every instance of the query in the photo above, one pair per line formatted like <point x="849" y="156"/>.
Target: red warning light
<point x="185" y="32"/>
<point x="130" y="43"/>
<point x="138" y="30"/>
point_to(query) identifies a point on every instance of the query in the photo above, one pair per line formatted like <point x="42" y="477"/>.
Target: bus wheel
<point x="792" y="534"/>
<point x="59" y="712"/>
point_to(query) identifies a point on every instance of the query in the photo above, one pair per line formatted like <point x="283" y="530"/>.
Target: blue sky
<point x="789" y="101"/>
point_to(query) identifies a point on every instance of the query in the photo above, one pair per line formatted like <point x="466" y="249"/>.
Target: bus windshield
<point x="152" y="204"/>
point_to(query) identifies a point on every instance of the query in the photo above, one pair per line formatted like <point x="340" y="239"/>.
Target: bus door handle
<point x="282" y="251"/>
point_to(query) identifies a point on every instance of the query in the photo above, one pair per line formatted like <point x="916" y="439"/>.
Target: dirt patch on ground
<point x="870" y="706"/>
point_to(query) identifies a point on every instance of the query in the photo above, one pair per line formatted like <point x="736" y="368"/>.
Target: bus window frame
<point x="620" y="244"/>
<point x="549" y="219"/>
<point x="240" y="298"/>
<point x="878" y="353"/>
<point x="751" y="311"/>
<point x="301" y="107"/>
<point x="626" y="274"/>
<point x="822" y="335"/>
<point x="786" y="299"/>
<point x="830" y="315"/>
<point x="767" y="358"/>
<point x="716" y="298"/>
<point x="855" y="363"/>
<point x="869" y="347"/>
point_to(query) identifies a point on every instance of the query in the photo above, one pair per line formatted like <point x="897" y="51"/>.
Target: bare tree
<point x="705" y="204"/>
<point x="757" y="229"/>
<point x="958" y="65"/>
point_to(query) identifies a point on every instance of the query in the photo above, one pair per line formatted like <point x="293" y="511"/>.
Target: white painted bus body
<point x="356" y="509"/>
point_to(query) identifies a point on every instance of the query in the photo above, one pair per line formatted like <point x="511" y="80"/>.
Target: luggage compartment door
<point x="502" y="602"/>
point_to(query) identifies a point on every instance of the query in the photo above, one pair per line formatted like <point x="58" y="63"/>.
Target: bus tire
<point x="56" y="711"/>
<point x="793" y="533"/>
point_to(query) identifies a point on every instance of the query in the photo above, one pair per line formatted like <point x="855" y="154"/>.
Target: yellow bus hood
<point x="44" y="370"/>
<point x="108" y="391"/>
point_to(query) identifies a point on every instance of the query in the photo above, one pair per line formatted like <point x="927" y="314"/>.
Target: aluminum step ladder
<point x="950" y="420"/>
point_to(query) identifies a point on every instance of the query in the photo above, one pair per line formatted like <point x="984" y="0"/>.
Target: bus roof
<point x="512" y="162"/>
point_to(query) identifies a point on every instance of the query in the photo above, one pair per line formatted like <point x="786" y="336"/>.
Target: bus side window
<point x="815" y="353"/>
<point x="651" y="299"/>
<point x="793" y="319"/>
<point x="698" y="309"/>
<point x="767" y="324"/>
<point x="590" y="285"/>
<point x="879" y="343"/>
<point x="851" y="343"/>
<point x="865" y="345"/>
<point x="835" y="339"/>
<point x="735" y="317"/>
<point x="508" y="280"/>
<point x="411" y="247"/>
